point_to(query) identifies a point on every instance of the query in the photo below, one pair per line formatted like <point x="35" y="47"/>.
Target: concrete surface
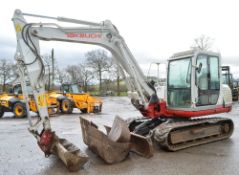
<point x="20" y="155"/>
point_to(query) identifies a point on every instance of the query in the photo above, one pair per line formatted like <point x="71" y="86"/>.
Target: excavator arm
<point x="102" y="34"/>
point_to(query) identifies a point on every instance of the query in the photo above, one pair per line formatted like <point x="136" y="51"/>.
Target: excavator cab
<point x="194" y="81"/>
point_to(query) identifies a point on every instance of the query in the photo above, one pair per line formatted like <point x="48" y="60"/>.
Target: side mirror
<point x="199" y="68"/>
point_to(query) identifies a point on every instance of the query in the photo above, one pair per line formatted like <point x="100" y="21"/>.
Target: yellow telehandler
<point x="79" y="99"/>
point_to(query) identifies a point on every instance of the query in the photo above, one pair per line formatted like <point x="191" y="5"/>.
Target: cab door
<point x="207" y="80"/>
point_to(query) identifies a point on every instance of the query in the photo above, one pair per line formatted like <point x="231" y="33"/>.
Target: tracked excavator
<point x="194" y="89"/>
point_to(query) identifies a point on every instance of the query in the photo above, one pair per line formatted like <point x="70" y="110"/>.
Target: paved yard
<point x="19" y="153"/>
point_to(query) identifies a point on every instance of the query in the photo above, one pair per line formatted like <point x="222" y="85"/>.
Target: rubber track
<point x="162" y="132"/>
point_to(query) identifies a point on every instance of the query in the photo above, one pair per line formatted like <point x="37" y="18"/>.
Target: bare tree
<point x="87" y="75"/>
<point x="202" y="43"/>
<point x="50" y="65"/>
<point x="118" y="80"/>
<point x="14" y="73"/>
<point x="47" y="62"/>
<point x="61" y="76"/>
<point x="7" y="72"/>
<point x="75" y="73"/>
<point x="53" y="63"/>
<point x="113" y="76"/>
<point x="100" y="62"/>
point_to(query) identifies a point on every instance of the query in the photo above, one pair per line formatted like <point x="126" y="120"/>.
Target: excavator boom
<point x="29" y="60"/>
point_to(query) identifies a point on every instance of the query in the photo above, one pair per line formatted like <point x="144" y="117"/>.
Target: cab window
<point x="179" y="83"/>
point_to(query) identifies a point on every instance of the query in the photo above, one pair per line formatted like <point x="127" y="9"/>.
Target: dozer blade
<point x="113" y="147"/>
<point x="183" y="134"/>
<point x="71" y="155"/>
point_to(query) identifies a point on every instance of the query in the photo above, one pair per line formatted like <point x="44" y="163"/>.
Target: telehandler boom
<point x="194" y="88"/>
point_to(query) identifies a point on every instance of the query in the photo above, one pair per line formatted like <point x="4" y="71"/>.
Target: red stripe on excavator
<point x="156" y="110"/>
<point x="177" y="113"/>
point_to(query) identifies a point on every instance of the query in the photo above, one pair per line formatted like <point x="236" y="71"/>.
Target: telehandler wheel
<point x="1" y="112"/>
<point x="19" y="110"/>
<point x="66" y="106"/>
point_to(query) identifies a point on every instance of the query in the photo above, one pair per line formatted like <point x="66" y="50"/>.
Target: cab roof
<point x="191" y="53"/>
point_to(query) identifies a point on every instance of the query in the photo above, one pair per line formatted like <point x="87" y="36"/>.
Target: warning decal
<point x="18" y="27"/>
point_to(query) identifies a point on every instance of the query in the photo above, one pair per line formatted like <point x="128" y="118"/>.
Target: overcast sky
<point x="153" y="29"/>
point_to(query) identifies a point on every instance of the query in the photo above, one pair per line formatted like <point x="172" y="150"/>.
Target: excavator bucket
<point x="115" y="145"/>
<point x="71" y="155"/>
<point x="112" y="147"/>
<point x="139" y="144"/>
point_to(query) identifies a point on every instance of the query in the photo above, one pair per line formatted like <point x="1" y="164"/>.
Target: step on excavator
<point x="194" y="90"/>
